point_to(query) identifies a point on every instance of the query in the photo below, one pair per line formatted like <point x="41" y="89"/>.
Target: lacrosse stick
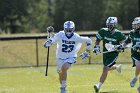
<point x="110" y="48"/>
<point x="50" y="34"/>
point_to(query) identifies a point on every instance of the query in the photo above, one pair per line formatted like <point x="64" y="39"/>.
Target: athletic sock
<point x="136" y="77"/>
<point x="99" y="85"/>
<point x="63" y="83"/>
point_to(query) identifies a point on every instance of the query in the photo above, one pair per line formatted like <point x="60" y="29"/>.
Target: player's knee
<point x="65" y="67"/>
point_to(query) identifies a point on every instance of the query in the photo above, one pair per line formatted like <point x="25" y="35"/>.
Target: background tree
<point x="85" y="14"/>
<point x="36" y="15"/>
<point x="39" y="18"/>
<point x="12" y="13"/>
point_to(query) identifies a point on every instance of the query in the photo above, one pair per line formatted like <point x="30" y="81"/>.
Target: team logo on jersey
<point x="67" y="46"/>
<point x="137" y="39"/>
<point x="68" y="42"/>
<point x="110" y="39"/>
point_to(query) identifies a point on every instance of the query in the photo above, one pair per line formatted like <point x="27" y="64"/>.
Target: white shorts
<point x="60" y="62"/>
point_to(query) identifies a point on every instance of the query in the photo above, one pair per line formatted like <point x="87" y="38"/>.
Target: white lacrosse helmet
<point x="111" y="23"/>
<point x="136" y="23"/>
<point x="69" y="28"/>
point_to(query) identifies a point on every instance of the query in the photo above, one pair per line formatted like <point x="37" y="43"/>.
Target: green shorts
<point x="109" y="59"/>
<point x="135" y="57"/>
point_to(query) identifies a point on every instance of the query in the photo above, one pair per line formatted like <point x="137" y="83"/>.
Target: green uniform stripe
<point x="134" y="59"/>
<point x="112" y="62"/>
<point x="98" y="36"/>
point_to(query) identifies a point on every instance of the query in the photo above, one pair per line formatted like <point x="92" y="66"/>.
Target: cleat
<point x="63" y="90"/>
<point x="133" y="81"/>
<point x="138" y="89"/>
<point x="119" y="68"/>
<point x="96" y="89"/>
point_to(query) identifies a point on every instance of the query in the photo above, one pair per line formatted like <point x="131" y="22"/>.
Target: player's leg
<point x="63" y="74"/>
<point x="116" y="67"/>
<point x="108" y="62"/>
<point x="103" y="75"/>
<point x="63" y="77"/>
<point x="139" y="86"/>
<point x="102" y="79"/>
<point x="62" y="66"/>
<point x="137" y="71"/>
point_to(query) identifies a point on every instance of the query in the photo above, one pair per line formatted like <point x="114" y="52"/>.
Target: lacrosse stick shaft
<point x="50" y="31"/>
<point x="47" y="61"/>
<point x="107" y="52"/>
<point x="48" y="53"/>
<point x="103" y="52"/>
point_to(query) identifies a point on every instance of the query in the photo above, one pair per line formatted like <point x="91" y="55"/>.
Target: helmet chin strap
<point x="112" y="30"/>
<point x="69" y="34"/>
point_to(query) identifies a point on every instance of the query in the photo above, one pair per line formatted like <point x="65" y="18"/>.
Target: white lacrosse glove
<point x="48" y="43"/>
<point x="84" y="55"/>
<point x="96" y="49"/>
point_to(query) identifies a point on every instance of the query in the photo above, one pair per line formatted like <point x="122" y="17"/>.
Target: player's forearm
<point x="89" y="45"/>
<point x="97" y="42"/>
<point x="127" y="41"/>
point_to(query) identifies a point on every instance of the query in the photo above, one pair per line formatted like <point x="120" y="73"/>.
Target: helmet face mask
<point x="110" y="27"/>
<point x="111" y="23"/>
<point x="69" y="28"/>
<point x="136" y="24"/>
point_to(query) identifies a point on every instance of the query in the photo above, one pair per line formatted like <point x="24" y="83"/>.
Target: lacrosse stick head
<point x="50" y="32"/>
<point x="110" y="47"/>
<point x="50" y="29"/>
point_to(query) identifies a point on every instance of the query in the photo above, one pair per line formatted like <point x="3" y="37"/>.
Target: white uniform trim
<point x="112" y="62"/>
<point x="98" y="35"/>
<point x="135" y="59"/>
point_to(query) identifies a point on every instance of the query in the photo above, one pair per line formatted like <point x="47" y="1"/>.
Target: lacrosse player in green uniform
<point x="115" y="37"/>
<point x="134" y="37"/>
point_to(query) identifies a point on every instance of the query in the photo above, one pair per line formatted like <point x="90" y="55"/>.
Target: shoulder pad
<point x="106" y="29"/>
<point x="132" y="31"/>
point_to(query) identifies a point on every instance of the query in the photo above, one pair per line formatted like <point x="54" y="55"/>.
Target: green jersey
<point x="135" y="38"/>
<point x="115" y="38"/>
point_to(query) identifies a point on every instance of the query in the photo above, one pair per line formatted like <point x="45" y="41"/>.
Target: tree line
<point x="24" y="16"/>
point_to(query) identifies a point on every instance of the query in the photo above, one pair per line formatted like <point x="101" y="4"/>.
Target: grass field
<point x="81" y="79"/>
<point x="23" y="53"/>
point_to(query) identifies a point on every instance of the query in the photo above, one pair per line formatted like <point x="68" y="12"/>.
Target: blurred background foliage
<point x="26" y="16"/>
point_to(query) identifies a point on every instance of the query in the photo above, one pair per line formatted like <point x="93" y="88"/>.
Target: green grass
<point x="81" y="79"/>
<point x="23" y="53"/>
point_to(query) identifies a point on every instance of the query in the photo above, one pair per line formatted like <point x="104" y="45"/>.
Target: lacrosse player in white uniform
<point x="68" y="45"/>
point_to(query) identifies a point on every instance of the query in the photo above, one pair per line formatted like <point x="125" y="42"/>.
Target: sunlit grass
<point x="81" y="79"/>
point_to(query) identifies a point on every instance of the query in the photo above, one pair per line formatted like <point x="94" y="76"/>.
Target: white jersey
<point x="68" y="47"/>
